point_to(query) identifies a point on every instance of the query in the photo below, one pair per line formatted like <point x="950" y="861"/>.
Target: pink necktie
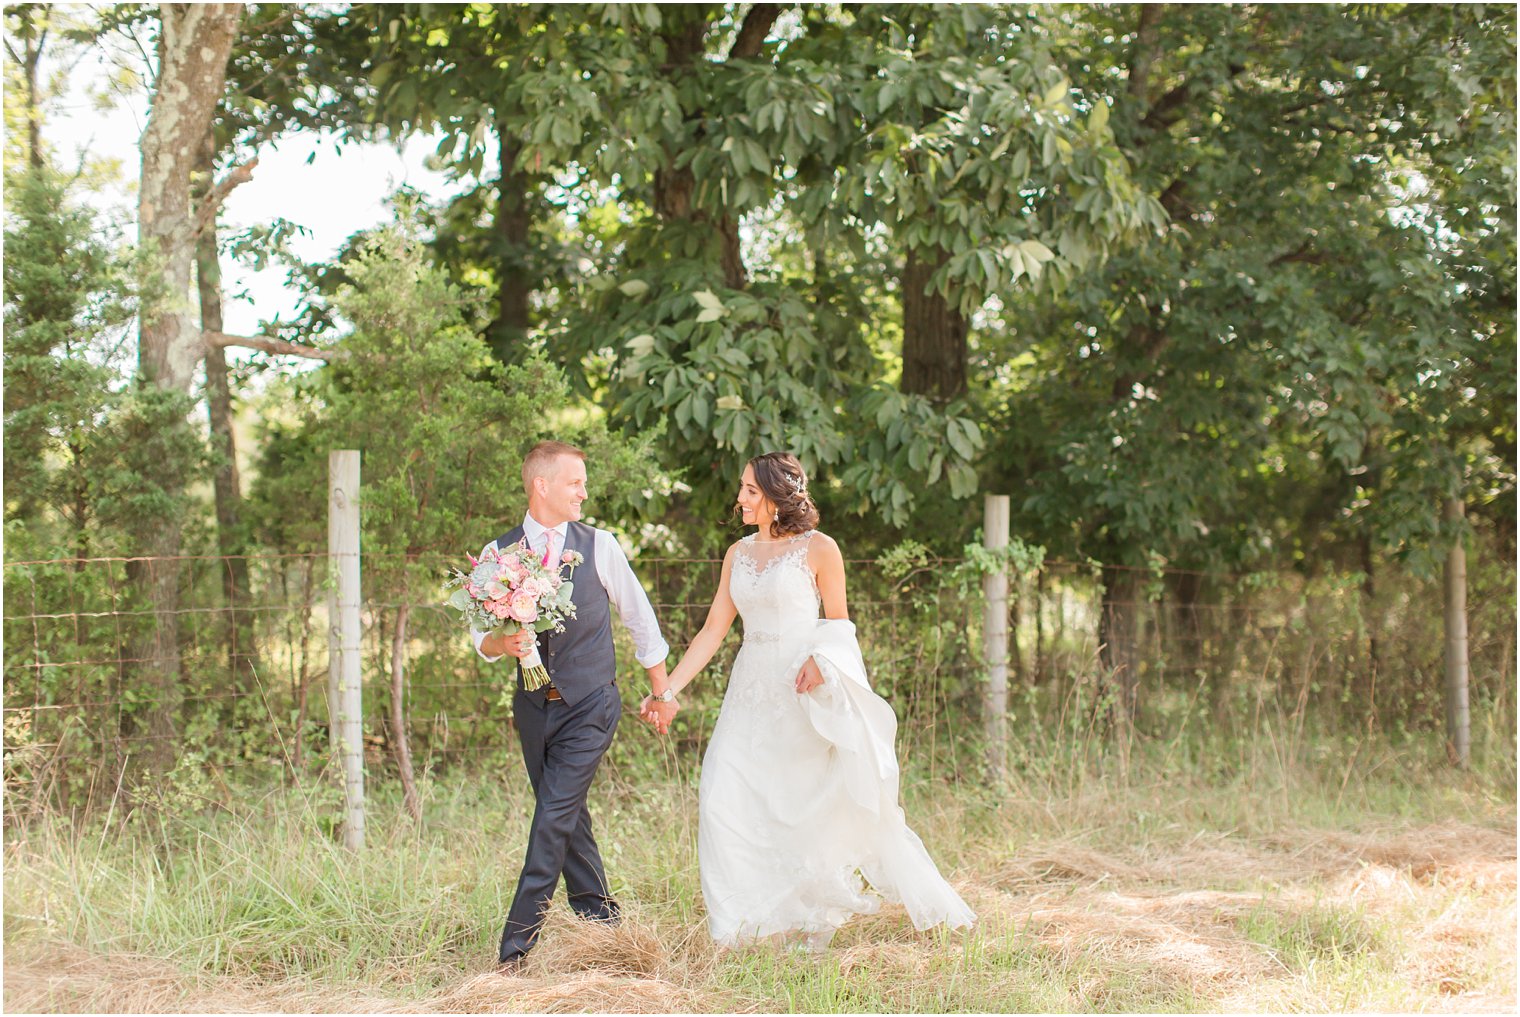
<point x="548" y="546"/>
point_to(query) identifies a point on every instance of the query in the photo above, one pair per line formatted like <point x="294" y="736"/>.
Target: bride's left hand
<point x="809" y="678"/>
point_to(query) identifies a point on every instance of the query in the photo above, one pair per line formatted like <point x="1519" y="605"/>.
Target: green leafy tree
<point x="282" y="77"/>
<point x="1264" y="386"/>
<point x="455" y="68"/>
<point x="65" y="323"/>
<point x="88" y="457"/>
<point x="949" y="133"/>
<point x="176" y="207"/>
<point x="443" y="427"/>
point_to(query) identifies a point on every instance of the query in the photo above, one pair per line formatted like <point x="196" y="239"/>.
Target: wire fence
<point x="250" y="658"/>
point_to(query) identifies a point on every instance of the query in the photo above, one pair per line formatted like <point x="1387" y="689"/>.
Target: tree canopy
<point x="1207" y="287"/>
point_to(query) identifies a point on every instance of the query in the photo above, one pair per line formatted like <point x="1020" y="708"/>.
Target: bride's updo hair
<point x="780" y="478"/>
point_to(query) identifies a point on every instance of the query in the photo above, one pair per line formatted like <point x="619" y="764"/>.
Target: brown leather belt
<point x="552" y="694"/>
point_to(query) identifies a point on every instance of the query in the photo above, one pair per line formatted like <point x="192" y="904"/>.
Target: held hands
<point x="658" y="715"/>
<point x="809" y="678"/>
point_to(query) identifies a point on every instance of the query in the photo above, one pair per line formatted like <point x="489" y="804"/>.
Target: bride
<point x="799" y="826"/>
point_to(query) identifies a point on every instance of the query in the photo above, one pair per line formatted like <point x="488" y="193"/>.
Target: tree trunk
<point x="1367" y="679"/>
<point x="1116" y="634"/>
<point x="934" y="333"/>
<point x="194" y="43"/>
<point x="673" y="201"/>
<point x="734" y="276"/>
<point x="154" y="654"/>
<point x="399" y="741"/>
<point x="1458" y="733"/>
<point x="1218" y="638"/>
<point x="31" y="60"/>
<point x="303" y="671"/>
<point x="514" y="283"/>
<point x="1143" y="53"/>
<point x="674" y="187"/>
<point x="242" y="659"/>
<point x="1058" y="640"/>
<point x="1039" y="627"/>
<point x="79" y="486"/>
<point x="1190" y="640"/>
<point x="1017" y="665"/>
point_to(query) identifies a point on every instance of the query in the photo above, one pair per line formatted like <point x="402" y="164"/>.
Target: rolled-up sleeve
<point x="475" y="634"/>
<point x="632" y="603"/>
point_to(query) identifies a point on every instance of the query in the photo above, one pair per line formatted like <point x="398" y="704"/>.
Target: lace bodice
<point x="777" y="597"/>
<point x="773" y="588"/>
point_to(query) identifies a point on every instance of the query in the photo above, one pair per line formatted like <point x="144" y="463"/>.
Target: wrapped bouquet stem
<point x="535" y="675"/>
<point x="510" y="590"/>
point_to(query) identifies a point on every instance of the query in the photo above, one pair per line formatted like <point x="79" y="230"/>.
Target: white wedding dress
<point x="800" y="827"/>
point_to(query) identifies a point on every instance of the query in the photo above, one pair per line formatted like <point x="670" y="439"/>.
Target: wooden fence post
<point x="1458" y="724"/>
<point x="344" y="677"/>
<point x="995" y="534"/>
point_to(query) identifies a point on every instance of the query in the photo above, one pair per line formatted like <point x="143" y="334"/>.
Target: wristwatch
<point x="668" y="696"/>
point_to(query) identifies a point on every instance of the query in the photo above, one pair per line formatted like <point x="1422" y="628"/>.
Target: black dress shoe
<point x="605" y="912"/>
<point x="512" y="967"/>
<point x="611" y="919"/>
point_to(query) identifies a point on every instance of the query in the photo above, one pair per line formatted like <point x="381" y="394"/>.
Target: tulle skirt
<point x="800" y="827"/>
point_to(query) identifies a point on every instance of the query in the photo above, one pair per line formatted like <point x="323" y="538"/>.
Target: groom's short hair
<point x="540" y="460"/>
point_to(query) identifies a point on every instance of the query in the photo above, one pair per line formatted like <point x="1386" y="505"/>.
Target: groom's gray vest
<point x="580" y="659"/>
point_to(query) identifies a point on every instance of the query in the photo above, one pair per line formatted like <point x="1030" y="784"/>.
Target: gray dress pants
<point x="562" y="746"/>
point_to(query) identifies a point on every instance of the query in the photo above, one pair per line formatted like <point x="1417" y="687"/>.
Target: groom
<point x="566" y="727"/>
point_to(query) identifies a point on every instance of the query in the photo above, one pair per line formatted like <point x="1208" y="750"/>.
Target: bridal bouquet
<point x="506" y="591"/>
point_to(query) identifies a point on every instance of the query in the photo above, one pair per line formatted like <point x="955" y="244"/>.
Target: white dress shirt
<point x="622" y="586"/>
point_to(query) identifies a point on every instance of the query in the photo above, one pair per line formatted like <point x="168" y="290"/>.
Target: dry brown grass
<point x="63" y="978"/>
<point x="1173" y="917"/>
<point x="579" y="968"/>
<point x="1130" y="908"/>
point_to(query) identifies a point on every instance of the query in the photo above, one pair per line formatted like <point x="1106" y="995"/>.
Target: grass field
<point x="1345" y="880"/>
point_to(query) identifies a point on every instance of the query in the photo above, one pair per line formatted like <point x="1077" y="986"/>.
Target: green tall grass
<point x="1212" y="873"/>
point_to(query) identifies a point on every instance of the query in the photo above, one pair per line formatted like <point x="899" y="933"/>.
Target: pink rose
<point x="523" y="606"/>
<point x="567" y="558"/>
<point x="498" y="608"/>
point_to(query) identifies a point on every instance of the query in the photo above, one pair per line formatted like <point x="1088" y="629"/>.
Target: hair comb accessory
<point x="798" y="486"/>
